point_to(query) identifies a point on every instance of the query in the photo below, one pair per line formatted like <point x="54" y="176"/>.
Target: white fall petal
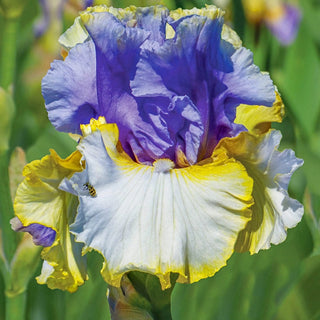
<point x="155" y="218"/>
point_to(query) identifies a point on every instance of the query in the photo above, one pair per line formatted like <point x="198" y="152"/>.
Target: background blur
<point x="280" y="283"/>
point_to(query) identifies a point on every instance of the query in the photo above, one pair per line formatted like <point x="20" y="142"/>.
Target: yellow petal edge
<point x="38" y="200"/>
<point x="257" y="119"/>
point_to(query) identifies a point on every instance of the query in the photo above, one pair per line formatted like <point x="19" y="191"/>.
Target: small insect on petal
<point x="91" y="189"/>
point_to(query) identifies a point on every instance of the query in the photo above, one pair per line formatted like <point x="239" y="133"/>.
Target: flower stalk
<point x="17" y="274"/>
<point x="7" y="108"/>
<point x="16" y="306"/>
<point x="6" y="209"/>
<point x="18" y="260"/>
<point x="8" y="52"/>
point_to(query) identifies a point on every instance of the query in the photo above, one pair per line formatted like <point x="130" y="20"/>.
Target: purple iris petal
<point x="176" y="125"/>
<point x="42" y="236"/>
<point x="117" y="53"/>
<point x="165" y="95"/>
<point x="153" y="20"/>
<point x="184" y="121"/>
<point x="69" y="89"/>
<point x="214" y="75"/>
<point x="285" y="28"/>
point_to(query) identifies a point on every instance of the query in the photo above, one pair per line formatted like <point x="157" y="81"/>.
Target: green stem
<point x="8" y="51"/>
<point x="163" y="314"/>
<point x="9" y="240"/>
<point x="16" y="307"/>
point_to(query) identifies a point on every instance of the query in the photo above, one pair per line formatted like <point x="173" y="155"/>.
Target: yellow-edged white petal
<point x="274" y="211"/>
<point x="39" y="201"/>
<point x="157" y="219"/>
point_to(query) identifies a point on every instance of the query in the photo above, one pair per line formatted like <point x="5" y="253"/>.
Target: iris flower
<point x="280" y="17"/>
<point x="176" y="166"/>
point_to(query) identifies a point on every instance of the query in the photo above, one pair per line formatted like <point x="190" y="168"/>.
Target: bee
<point x="91" y="189"/>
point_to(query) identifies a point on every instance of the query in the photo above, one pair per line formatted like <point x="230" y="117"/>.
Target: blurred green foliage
<point x="280" y="283"/>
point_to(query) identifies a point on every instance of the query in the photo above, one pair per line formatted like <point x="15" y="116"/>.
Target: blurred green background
<point x="281" y="283"/>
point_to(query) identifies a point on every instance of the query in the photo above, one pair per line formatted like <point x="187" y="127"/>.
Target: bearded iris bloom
<point x="176" y="166"/>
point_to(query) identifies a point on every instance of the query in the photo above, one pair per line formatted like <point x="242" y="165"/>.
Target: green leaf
<point x="93" y="292"/>
<point x="249" y="287"/>
<point x="23" y="266"/>
<point x="311" y="12"/>
<point x="302" y="302"/>
<point x="311" y="165"/>
<point x="7" y="111"/>
<point x="312" y="214"/>
<point x="300" y="81"/>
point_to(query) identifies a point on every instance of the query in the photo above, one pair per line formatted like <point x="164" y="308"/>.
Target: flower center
<point x="163" y="165"/>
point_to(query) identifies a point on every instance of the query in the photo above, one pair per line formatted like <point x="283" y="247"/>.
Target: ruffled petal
<point x="65" y="256"/>
<point x="205" y="62"/>
<point x="69" y="89"/>
<point x="77" y="33"/>
<point x="209" y="11"/>
<point x="247" y="83"/>
<point x="273" y="211"/>
<point x="156" y="218"/>
<point x="151" y="19"/>
<point x="123" y="65"/>
<point x="258" y="119"/>
<point x="117" y="52"/>
<point x="46" y="212"/>
<point x="178" y="125"/>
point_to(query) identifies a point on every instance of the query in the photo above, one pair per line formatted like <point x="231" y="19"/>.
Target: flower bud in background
<point x="283" y="20"/>
<point x="51" y="17"/>
<point x="140" y="297"/>
<point x="281" y="17"/>
<point x="49" y="25"/>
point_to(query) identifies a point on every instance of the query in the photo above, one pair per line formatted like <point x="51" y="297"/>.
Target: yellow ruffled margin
<point x="258" y="119"/>
<point x="38" y="200"/>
